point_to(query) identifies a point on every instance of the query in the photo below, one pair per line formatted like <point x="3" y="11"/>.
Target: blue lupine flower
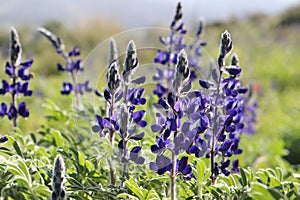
<point x="3" y="139"/>
<point x="161" y="165"/>
<point x="135" y="96"/>
<point x="104" y="125"/>
<point x="183" y="166"/>
<point x="134" y="155"/>
<point x="83" y="87"/>
<point x="12" y="112"/>
<point x="67" y="88"/>
<point x="235" y="166"/>
<point x="22" y="110"/>
<point x="9" y="70"/>
<point x="74" y="52"/>
<point x="138" y="116"/>
<point x="23" y="89"/>
<point x="161" y="144"/>
<point x="23" y="71"/>
<point x="3" y="110"/>
<point x="19" y="76"/>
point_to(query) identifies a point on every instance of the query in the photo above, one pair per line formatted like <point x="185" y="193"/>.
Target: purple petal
<point x="156" y="128"/>
<point x="187" y="170"/>
<point x="153" y="166"/>
<point x="96" y="128"/>
<point x="142" y="123"/>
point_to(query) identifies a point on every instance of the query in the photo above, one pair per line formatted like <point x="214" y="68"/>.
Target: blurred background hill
<point x="265" y="35"/>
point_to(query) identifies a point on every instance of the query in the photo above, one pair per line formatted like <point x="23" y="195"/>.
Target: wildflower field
<point x="179" y="112"/>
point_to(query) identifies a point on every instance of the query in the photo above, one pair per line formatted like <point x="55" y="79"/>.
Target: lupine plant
<point x="18" y="83"/>
<point x="72" y="66"/>
<point x="172" y="138"/>
<point x="121" y="101"/>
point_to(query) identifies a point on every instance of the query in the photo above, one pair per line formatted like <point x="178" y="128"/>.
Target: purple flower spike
<point x="18" y="82"/>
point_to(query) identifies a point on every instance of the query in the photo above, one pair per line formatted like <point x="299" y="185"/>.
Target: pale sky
<point x="132" y="13"/>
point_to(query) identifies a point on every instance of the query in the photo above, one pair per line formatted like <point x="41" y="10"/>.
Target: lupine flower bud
<point x="182" y="71"/>
<point x="234" y="60"/>
<point x="15" y="48"/>
<point x="226" y="43"/>
<point x="201" y="28"/>
<point x="58" y="180"/>
<point x="124" y="121"/>
<point x="177" y="23"/>
<point x="113" y="76"/>
<point x="131" y="61"/>
<point x="56" y="42"/>
<point x="225" y="47"/>
<point x="113" y="51"/>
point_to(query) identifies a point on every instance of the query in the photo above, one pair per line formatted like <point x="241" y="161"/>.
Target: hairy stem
<point x="125" y="164"/>
<point x="77" y="95"/>
<point x="14" y="99"/>
<point x="215" y="130"/>
<point x="173" y="177"/>
<point x="111" y="140"/>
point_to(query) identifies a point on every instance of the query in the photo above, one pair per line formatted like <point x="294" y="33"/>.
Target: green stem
<point x="125" y="164"/>
<point x="173" y="177"/>
<point x="14" y="99"/>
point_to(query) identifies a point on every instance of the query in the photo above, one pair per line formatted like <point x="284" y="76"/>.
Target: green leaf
<point x="244" y="178"/>
<point x="42" y="190"/>
<point x="127" y="196"/>
<point x="276" y="194"/>
<point x="152" y="195"/>
<point x="15" y="145"/>
<point x="260" y="192"/>
<point x="81" y="159"/>
<point x="57" y="137"/>
<point x="134" y="188"/>
<point x="200" y="167"/>
<point x="6" y="151"/>
<point x="19" y="174"/>
<point x="279" y="173"/>
<point x="207" y="174"/>
<point x="25" y="171"/>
